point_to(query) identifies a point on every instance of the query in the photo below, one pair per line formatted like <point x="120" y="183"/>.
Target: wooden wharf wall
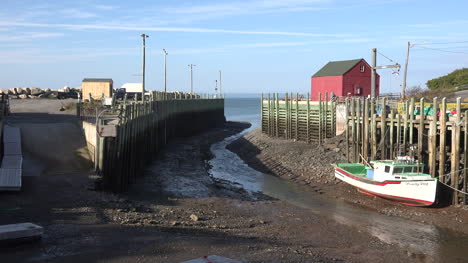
<point x="144" y="128"/>
<point x="439" y="141"/>
<point x="302" y="120"/>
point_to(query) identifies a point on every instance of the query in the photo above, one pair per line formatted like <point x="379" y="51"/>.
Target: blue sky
<point x="260" y="45"/>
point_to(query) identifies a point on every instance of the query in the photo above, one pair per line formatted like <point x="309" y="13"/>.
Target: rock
<point x="174" y="223"/>
<point x="28" y="91"/>
<point x="23" y="96"/>
<point x="40" y="96"/>
<point x="12" y="91"/>
<point x="336" y="150"/>
<point x="47" y="90"/>
<point x="36" y="91"/>
<point x="47" y="93"/>
<point x="19" y="91"/>
<point x="65" y="89"/>
<point x="194" y="217"/>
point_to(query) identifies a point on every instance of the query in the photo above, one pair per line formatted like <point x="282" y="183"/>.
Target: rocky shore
<point x="38" y="93"/>
<point x="309" y="164"/>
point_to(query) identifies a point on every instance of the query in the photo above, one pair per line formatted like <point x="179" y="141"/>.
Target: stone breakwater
<point x="37" y="93"/>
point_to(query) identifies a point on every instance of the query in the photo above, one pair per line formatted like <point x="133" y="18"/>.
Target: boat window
<point x="387" y="168"/>
<point x="398" y="170"/>
<point x="407" y="169"/>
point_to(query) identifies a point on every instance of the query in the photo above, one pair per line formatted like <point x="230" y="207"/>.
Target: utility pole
<point x="144" y="36"/>
<point x="374" y="68"/>
<point x="220" y="84"/>
<point x="373" y="72"/>
<point x="165" y="70"/>
<point x="191" y="77"/>
<point x="403" y="87"/>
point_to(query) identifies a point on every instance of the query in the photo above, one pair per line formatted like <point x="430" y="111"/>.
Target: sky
<point x="260" y="45"/>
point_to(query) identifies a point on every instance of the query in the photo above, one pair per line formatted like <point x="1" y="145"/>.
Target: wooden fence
<point x="438" y="139"/>
<point x="142" y="129"/>
<point x="298" y="118"/>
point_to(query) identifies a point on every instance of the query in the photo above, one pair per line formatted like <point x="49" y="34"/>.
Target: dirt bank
<point x="173" y="213"/>
<point x="310" y="164"/>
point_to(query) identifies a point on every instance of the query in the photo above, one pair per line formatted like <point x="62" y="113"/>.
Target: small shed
<point x="344" y="78"/>
<point x="98" y="88"/>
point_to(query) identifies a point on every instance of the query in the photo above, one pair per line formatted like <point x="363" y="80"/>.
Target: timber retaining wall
<point x="142" y="129"/>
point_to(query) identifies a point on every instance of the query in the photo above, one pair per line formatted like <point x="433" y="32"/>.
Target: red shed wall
<point x="354" y="79"/>
<point x="326" y="84"/>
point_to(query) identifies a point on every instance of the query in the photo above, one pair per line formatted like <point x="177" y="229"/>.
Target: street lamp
<point x="403" y="87"/>
<point x="144" y="36"/>
<point x="165" y="70"/>
<point x="191" y="77"/>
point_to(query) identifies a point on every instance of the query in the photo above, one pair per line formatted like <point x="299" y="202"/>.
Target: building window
<point x="358" y="91"/>
<point x="363" y="68"/>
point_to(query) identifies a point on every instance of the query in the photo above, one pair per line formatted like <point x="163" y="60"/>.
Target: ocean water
<point x="243" y="109"/>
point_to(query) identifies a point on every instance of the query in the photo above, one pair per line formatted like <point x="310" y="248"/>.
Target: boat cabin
<point x="395" y="170"/>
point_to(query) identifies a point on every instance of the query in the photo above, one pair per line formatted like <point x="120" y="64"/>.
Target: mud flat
<point x="173" y="213"/>
<point x="309" y="164"/>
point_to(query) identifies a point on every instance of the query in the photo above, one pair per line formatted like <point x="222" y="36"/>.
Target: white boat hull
<point x="410" y="192"/>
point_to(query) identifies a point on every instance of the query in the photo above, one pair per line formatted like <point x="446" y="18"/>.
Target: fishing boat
<point x="400" y="180"/>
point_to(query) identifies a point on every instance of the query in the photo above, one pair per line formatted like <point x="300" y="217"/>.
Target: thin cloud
<point x="252" y="7"/>
<point x="104" y="7"/>
<point x="167" y="29"/>
<point x="28" y="36"/>
<point x="76" y="13"/>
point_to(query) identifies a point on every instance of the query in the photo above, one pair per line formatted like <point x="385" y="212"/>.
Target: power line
<point x="444" y="43"/>
<point x="442" y="50"/>
<point x="385" y="56"/>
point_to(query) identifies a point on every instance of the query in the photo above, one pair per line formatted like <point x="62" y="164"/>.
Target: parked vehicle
<point x="132" y="90"/>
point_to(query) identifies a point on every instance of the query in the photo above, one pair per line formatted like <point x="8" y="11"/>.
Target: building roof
<point x="337" y="68"/>
<point x="97" y="80"/>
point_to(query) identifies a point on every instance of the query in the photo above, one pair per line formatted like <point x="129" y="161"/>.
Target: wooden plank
<point x="12" y="162"/>
<point x="374" y="136"/>
<point x="411" y="112"/>
<point x="442" y="142"/>
<point x="212" y="259"/>
<point x="405" y="127"/>
<point x="308" y="117"/>
<point x="433" y="139"/>
<point x="347" y="128"/>
<point x="365" y="130"/>
<point x="12" y="148"/>
<point x="353" y="128"/>
<point x="420" y="130"/>
<point x="455" y="153"/>
<point x="325" y="119"/>
<point x="383" y="130"/>
<point x="320" y="119"/>
<point x="358" y="130"/>
<point x="10" y="179"/>
<point x="11" y="134"/>
<point x="392" y="128"/>
<point x="277" y="116"/>
<point x="297" y="116"/>
<point x="22" y="231"/>
<point x="398" y="135"/>
<point x="465" y="159"/>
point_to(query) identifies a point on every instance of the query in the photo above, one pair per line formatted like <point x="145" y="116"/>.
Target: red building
<point x="344" y="78"/>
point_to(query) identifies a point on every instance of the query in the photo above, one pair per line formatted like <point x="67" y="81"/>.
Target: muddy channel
<point x="439" y="244"/>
